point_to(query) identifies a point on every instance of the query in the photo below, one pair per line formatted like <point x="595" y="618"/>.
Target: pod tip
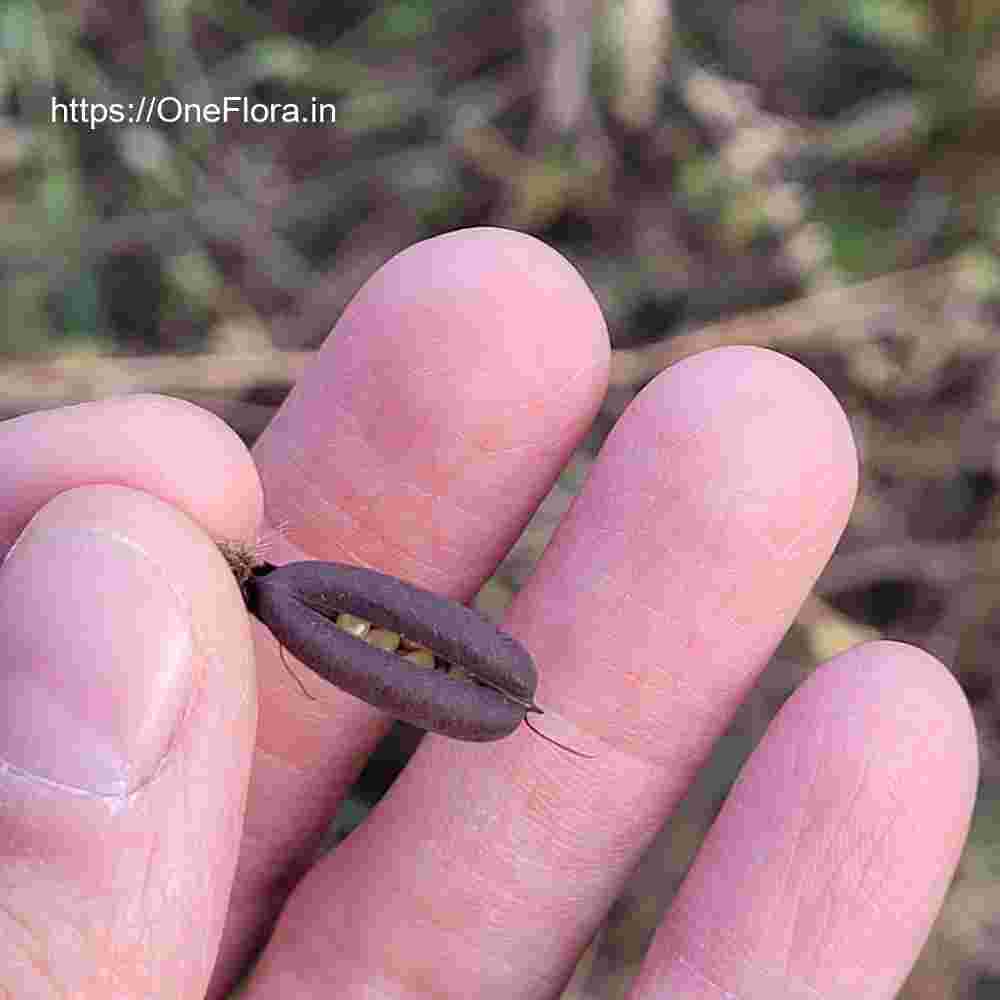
<point x="548" y="739"/>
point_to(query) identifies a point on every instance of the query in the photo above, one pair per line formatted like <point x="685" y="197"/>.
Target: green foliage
<point x="898" y="22"/>
<point x="862" y="227"/>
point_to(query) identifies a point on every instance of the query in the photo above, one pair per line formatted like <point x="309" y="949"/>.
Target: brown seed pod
<point x="484" y="694"/>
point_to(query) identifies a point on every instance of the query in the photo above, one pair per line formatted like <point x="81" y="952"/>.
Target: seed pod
<point x="486" y="698"/>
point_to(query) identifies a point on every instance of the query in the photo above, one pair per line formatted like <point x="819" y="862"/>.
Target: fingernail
<point x="97" y="667"/>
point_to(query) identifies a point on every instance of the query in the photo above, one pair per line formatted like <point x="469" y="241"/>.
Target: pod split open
<point x="486" y="698"/>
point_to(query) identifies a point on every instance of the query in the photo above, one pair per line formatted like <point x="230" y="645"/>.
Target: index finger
<point x="437" y="416"/>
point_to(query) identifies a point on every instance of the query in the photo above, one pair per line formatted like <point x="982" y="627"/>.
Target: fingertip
<point x="169" y="447"/>
<point x="526" y="274"/>
<point x="492" y="314"/>
<point x="895" y="713"/>
<point x="832" y="855"/>
<point x="751" y="393"/>
<point x="458" y="380"/>
<point x="117" y="602"/>
<point x="928" y="722"/>
<point x="763" y="439"/>
<point x="198" y="452"/>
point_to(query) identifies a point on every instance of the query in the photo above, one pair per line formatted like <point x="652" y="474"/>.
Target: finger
<point x="157" y="444"/>
<point x="126" y="733"/>
<point x="824" y="871"/>
<point x="712" y="508"/>
<point x="437" y="416"/>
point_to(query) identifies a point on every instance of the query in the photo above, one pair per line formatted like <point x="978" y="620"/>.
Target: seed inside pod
<point x="421" y="657"/>
<point x="353" y="624"/>
<point x="383" y="639"/>
<point x="393" y="642"/>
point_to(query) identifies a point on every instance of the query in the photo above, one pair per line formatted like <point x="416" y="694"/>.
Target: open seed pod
<point x="453" y="672"/>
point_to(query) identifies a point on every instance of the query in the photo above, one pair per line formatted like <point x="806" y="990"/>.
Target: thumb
<point x="127" y="716"/>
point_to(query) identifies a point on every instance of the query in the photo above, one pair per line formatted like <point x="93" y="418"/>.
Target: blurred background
<point x="820" y="179"/>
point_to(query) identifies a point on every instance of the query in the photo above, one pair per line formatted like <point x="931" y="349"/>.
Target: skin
<point x="457" y="384"/>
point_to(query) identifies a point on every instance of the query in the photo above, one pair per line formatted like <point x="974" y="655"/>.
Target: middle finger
<point x="437" y="415"/>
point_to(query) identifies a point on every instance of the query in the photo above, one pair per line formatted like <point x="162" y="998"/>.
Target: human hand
<point x="430" y="427"/>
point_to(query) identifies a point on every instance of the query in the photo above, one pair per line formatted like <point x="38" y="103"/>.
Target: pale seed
<point x="383" y="639"/>
<point x="353" y="624"/>
<point x="421" y="657"/>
